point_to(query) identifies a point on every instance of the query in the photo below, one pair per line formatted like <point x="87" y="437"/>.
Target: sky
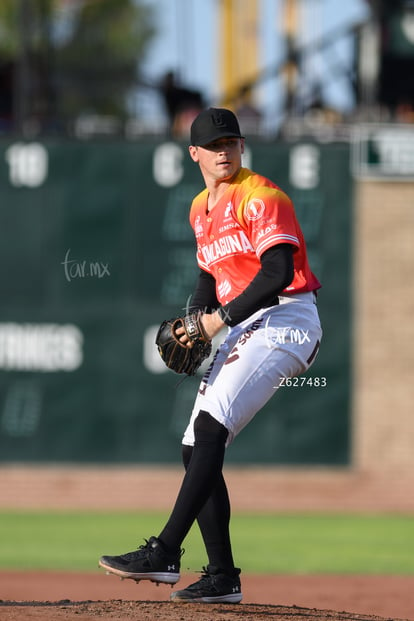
<point x="187" y="43"/>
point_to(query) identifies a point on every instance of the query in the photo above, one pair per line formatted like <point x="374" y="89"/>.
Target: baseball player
<point x="255" y="282"/>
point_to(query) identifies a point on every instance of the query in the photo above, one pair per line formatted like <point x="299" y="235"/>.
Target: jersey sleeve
<point x="197" y="207"/>
<point x="269" y="218"/>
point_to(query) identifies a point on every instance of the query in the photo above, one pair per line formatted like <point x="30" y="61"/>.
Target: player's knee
<point x="208" y="429"/>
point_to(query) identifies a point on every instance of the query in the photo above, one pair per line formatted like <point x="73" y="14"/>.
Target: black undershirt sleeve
<point x="275" y="274"/>
<point x="204" y="297"/>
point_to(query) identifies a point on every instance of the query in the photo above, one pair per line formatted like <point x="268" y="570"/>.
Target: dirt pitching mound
<point x="167" y="611"/>
<point x="70" y="596"/>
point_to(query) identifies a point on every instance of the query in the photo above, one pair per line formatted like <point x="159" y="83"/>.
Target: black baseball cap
<point x="212" y="124"/>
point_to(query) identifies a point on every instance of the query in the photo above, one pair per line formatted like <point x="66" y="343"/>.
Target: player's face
<point x="219" y="160"/>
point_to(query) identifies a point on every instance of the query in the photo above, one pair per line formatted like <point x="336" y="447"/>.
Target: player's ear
<point x="242" y="145"/>
<point x="193" y="153"/>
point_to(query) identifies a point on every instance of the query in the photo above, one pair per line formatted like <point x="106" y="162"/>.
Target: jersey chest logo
<point x="226" y="246"/>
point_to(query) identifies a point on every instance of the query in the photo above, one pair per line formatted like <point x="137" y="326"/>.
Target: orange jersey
<point x="253" y="215"/>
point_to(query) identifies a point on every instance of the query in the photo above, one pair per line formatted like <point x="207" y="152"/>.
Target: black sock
<point x="213" y="521"/>
<point x="201" y="477"/>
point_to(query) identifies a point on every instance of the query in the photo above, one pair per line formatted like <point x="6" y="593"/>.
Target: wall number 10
<point x="28" y="164"/>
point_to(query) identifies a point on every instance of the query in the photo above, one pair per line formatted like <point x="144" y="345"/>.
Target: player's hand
<point x="183" y="338"/>
<point x="211" y="323"/>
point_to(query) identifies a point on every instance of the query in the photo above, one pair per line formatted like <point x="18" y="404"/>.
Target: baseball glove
<point x="177" y="356"/>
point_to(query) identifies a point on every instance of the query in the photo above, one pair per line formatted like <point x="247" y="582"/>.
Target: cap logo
<point x="218" y="119"/>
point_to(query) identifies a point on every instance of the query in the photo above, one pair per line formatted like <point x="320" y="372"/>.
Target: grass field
<point x="288" y="544"/>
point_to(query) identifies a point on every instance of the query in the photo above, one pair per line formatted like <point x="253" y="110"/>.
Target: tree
<point x="70" y="57"/>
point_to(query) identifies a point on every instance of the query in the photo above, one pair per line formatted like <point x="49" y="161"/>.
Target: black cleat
<point x="214" y="587"/>
<point x="149" y="562"/>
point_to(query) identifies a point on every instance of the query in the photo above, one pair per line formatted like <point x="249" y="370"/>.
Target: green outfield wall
<point x="96" y="250"/>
